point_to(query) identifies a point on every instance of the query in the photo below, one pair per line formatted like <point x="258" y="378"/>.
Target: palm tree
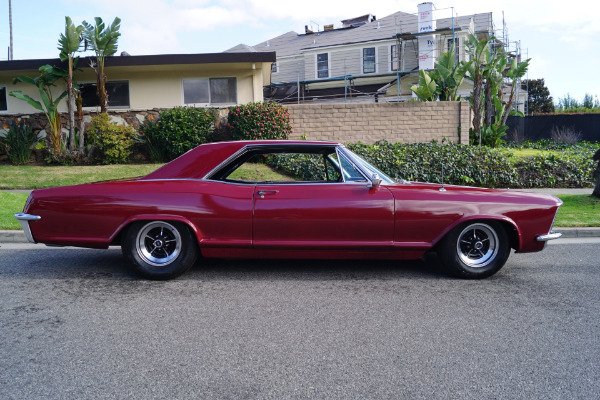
<point x="103" y="41"/>
<point x="68" y="44"/>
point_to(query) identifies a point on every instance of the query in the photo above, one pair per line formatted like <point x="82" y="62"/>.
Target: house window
<point x="456" y="48"/>
<point x="394" y="62"/>
<point x="323" y="65"/>
<point x="3" y="99"/>
<point x="369" y="60"/>
<point x="117" y="91"/>
<point x="210" y="91"/>
<point x="274" y="68"/>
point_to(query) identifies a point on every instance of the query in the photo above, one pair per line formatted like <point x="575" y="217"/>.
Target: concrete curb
<point x="568" y="233"/>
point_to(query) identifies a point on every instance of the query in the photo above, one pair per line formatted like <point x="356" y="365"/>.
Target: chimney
<point x="427" y="48"/>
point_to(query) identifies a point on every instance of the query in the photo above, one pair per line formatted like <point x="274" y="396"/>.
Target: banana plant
<point x="478" y="51"/>
<point x="68" y="44"/>
<point x="449" y="75"/>
<point x="516" y="71"/>
<point x="102" y="40"/>
<point x="48" y="104"/>
<point x="427" y="89"/>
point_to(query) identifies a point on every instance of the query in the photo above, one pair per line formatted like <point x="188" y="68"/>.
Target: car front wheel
<point x="475" y="250"/>
<point x="159" y="249"/>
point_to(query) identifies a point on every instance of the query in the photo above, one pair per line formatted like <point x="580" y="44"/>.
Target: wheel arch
<point x="117" y="237"/>
<point x="509" y="226"/>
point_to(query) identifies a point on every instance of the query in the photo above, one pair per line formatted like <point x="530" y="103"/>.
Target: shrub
<point x="113" y="142"/>
<point x="255" y="121"/>
<point x="18" y="143"/>
<point x="480" y="166"/>
<point x="151" y="137"/>
<point x="182" y="128"/>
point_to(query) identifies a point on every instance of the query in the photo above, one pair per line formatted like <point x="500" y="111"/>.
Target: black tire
<point x="159" y="250"/>
<point x="474" y="250"/>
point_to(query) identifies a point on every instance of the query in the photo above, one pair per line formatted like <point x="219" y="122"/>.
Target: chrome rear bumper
<point x="24" y="220"/>
<point x="549" y="236"/>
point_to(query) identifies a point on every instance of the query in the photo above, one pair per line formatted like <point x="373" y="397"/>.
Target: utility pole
<point x="10" y="54"/>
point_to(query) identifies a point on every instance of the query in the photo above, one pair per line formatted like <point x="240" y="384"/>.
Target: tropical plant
<point x="449" y="75"/>
<point x="427" y="89"/>
<point x="478" y="50"/>
<point x="69" y="43"/>
<point x="19" y="141"/>
<point x="515" y="72"/>
<point x="103" y="41"/>
<point x="49" y="104"/>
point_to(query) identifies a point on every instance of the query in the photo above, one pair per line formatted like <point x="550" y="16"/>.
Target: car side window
<point x="351" y="174"/>
<point x="287" y="167"/>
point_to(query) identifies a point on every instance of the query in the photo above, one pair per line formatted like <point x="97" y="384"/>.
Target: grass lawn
<point x="578" y="210"/>
<point x="10" y="204"/>
<point x="36" y="177"/>
<point x="523" y="153"/>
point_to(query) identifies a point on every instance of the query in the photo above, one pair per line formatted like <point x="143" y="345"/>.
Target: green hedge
<point x="463" y="165"/>
<point x="480" y="166"/>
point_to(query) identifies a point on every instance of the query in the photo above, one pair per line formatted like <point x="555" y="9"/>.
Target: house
<point x="152" y="81"/>
<point x="367" y="59"/>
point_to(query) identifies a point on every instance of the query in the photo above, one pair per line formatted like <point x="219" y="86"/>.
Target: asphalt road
<point x="74" y="324"/>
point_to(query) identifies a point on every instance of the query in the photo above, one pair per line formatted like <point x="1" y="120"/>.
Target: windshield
<point x="371" y="169"/>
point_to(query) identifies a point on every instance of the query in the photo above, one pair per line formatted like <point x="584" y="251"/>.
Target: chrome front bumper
<point x="549" y="236"/>
<point x="24" y="220"/>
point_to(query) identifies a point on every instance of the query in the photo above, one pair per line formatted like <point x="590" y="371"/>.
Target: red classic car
<point x="288" y="199"/>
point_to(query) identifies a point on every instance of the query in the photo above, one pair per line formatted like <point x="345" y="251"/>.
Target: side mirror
<point x="375" y="181"/>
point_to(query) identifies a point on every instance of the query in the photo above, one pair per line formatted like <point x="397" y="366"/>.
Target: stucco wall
<point x="394" y="122"/>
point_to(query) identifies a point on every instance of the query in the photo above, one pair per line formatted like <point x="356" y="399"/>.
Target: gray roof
<point x="292" y="43"/>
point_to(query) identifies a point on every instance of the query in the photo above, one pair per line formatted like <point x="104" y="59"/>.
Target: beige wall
<point x="153" y="86"/>
<point x="394" y="122"/>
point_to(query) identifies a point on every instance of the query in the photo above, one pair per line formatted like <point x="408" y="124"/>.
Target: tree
<point x="103" y="41"/>
<point x="68" y="44"/>
<point x="49" y="105"/>
<point x="478" y="50"/>
<point x="515" y="72"/>
<point x="538" y="96"/>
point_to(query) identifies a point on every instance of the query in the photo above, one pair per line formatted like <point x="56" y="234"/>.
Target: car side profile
<point x="288" y="199"/>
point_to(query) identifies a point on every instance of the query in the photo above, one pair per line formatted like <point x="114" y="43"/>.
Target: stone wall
<point x="394" y="122"/>
<point x="367" y="123"/>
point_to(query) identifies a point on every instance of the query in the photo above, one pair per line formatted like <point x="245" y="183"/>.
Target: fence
<point x="586" y="126"/>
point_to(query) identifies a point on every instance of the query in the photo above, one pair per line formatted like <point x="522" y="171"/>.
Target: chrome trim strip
<point x="24" y="220"/>
<point x="549" y="236"/>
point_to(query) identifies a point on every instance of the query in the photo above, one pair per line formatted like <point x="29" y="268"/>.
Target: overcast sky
<point x="562" y="38"/>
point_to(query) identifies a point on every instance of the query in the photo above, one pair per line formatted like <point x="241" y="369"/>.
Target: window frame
<point x="210" y="102"/>
<point x="456" y="47"/>
<point x="374" y="71"/>
<point x="5" y="97"/>
<point x="328" y="54"/>
<point x="392" y="46"/>
<point x="109" y="106"/>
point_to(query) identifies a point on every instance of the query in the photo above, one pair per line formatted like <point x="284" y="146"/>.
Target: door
<point x="322" y="215"/>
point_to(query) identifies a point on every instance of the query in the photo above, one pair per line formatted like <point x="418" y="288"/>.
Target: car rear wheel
<point x="475" y="250"/>
<point x="159" y="249"/>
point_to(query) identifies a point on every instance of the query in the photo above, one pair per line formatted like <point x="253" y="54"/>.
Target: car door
<point x="319" y="215"/>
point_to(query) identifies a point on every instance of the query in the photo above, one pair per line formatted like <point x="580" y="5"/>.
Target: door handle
<point x="262" y="193"/>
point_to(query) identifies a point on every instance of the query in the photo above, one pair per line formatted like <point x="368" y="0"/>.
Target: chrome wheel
<point x="158" y="243"/>
<point x="477" y="245"/>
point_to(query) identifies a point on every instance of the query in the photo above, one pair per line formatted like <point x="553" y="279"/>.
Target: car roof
<point x="198" y="162"/>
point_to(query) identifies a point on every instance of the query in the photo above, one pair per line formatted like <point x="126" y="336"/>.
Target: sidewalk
<point x="19" y="236"/>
